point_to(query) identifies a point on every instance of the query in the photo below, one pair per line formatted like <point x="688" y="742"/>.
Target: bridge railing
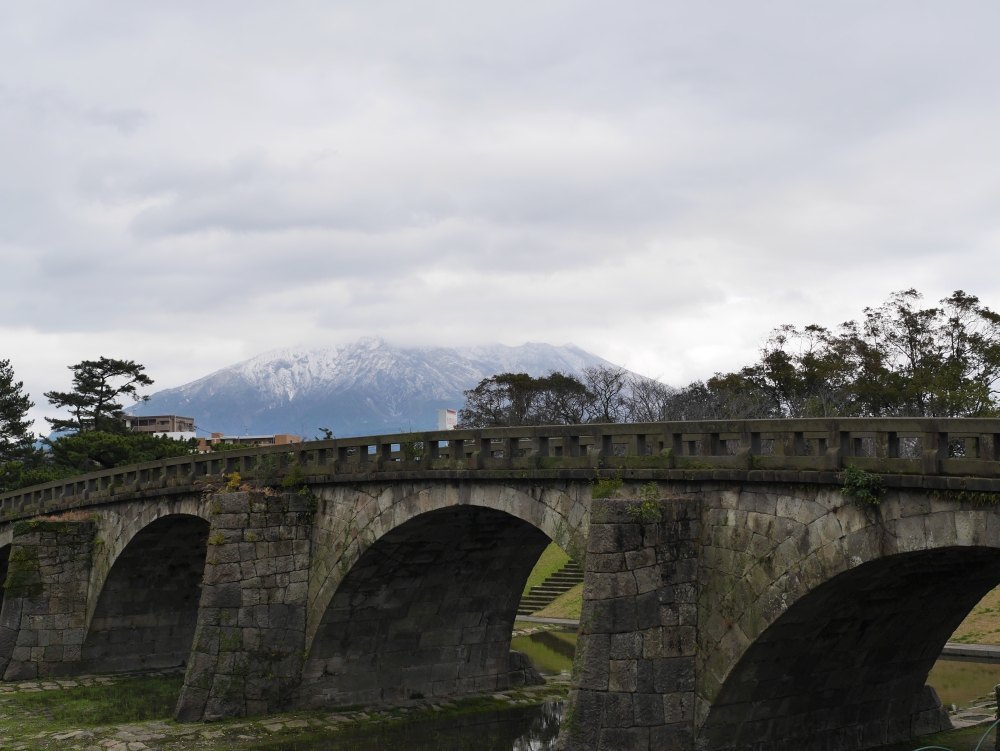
<point x="908" y="446"/>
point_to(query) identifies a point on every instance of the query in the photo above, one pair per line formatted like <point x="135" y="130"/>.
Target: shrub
<point x="865" y="488"/>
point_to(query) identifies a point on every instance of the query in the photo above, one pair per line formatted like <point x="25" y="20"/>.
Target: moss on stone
<point x="23" y="577"/>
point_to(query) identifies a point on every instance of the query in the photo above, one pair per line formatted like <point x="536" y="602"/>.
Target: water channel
<point x="536" y="728"/>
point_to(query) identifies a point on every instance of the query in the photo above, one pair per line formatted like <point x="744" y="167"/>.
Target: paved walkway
<point x="549" y="621"/>
<point x="971" y="652"/>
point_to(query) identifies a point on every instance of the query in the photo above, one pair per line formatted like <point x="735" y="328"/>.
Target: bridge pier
<point x="44" y="612"/>
<point x="250" y="636"/>
<point x="635" y="669"/>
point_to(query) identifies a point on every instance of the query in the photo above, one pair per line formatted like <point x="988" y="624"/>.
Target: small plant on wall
<point x="864" y="488"/>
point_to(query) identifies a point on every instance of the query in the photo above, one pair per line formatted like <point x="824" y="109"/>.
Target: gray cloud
<point x="657" y="182"/>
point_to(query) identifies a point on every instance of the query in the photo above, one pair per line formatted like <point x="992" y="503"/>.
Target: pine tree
<point x="15" y="427"/>
<point x="97" y="385"/>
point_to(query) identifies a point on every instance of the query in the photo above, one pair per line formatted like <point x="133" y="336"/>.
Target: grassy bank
<point x="551" y="560"/>
<point x="566" y="605"/>
<point x="982" y="625"/>
<point x="134" y="713"/>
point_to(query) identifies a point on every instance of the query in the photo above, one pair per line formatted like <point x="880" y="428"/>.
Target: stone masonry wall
<point x="250" y="635"/>
<point x="815" y="628"/>
<point x="44" y="611"/>
<point x="633" y="675"/>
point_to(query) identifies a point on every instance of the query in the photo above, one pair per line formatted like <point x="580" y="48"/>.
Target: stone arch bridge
<point x="736" y="596"/>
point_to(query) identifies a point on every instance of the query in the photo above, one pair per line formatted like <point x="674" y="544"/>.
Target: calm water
<point x="961" y="682"/>
<point x="550" y="651"/>
<point x="537" y="728"/>
<point x="515" y="729"/>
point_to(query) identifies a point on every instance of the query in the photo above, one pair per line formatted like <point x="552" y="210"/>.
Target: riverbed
<point x="132" y="712"/>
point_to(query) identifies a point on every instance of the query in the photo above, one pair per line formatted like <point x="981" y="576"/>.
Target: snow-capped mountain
<point x="368" y="387"/>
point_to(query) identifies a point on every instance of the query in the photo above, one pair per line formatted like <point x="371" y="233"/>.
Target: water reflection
<point x="536" y="728"/>
<point x="517" y="729"/>
<point x="550" y="651"/>
<point x="959" y="683"/>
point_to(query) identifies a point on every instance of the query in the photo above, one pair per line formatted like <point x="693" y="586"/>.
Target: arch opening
<point x="4" y="565"/>
<point x="846" y="664"/>
<point x="427" y="610"/>
<point x="148" y="608"/>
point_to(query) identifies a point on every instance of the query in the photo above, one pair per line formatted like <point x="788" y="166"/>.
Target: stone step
<point x="555" y="585"/>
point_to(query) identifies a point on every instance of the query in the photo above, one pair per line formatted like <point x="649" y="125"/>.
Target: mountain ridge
<point x="364" y="387"/>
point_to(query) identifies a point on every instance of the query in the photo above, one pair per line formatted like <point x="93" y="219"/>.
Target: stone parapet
<point x="960" y="454"/>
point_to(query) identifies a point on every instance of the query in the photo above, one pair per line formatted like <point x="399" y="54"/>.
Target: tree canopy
<point x="97" y="386"/>
<point x="96" y="438"/>
<point x="605" y="394"/>
<point x="16" y="438"/>
<point x="899" y="360"/>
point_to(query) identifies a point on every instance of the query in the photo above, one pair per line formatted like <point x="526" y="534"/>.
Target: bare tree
<point x="647" y="399"/>
<point x="609" y="393"/>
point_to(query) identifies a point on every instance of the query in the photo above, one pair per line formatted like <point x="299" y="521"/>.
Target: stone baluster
<point x="935" y="450"/>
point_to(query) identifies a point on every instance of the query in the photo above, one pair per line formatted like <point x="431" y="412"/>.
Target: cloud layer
<point x="659" y="183"/>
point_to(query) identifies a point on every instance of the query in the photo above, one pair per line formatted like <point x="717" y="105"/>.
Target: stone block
<point x="226" y="595"/>
<point x="618" y="711"/>
<point x="623" y="675"/>
<point x="648" y="708"/>
<point x="624" y="739"/>
<point x="673" y="675"/>
<point x="626" y="646"/>
<point x="592" y="661"/>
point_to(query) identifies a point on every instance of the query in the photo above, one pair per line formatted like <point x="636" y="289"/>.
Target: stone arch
<point x="5" y="547"/>
<point x="427" y="609"/>
<point x="118" y="525"/>
<point x="144" y="615"/>
<point x="824" y="605"/>
<point x="352" y="520"/>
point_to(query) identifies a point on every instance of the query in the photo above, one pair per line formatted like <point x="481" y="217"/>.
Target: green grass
<point x="957" y="740"/>
<point x="551" y="560"/>
<point x="567" y="605"/>
<point x="131" y="700"/>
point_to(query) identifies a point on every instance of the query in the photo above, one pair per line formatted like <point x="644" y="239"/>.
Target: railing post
<point x="798" y="444"/>
<point x="542" y="445"/>
<point x="780" y="444"/>
<point x="677" y="443"/>
<point x="935" y="449"/>
<point x="973" y="447"/>
<point x="510" y="448"/>
<point x="712" y="445"/>
<point x="838" y="445"/>
<point x="432" y="448"/>
<point x="857" y="446"/>
<point x="640" y="444"/>
<point x="603" y="447"/>
<point x="571" y="446"/>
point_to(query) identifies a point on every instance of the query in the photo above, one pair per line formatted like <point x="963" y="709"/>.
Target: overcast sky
<point x="190" y="184"/>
